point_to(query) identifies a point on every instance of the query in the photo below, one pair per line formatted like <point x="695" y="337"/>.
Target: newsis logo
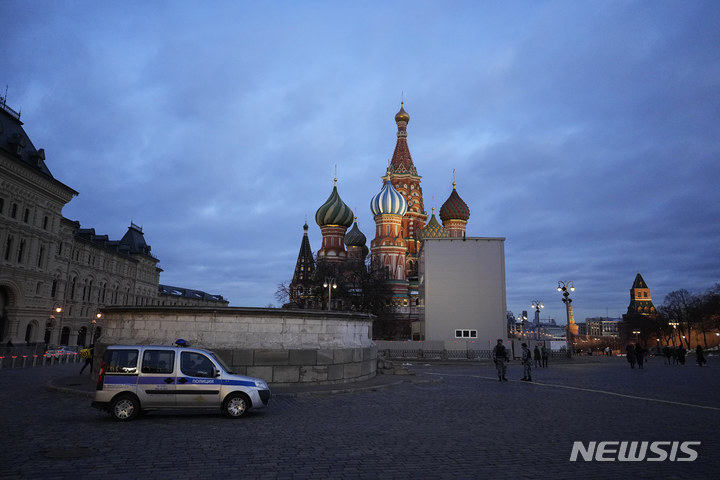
<point x="634" y="451"/>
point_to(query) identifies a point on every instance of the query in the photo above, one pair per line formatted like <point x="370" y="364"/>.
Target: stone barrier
<point x="282" y="346"/>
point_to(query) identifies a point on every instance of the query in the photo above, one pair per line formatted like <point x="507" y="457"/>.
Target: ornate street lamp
<point x="566" y="287"/>
<point x="329" y="283"/>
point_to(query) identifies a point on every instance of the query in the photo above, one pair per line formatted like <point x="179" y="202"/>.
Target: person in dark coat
<point x="630" y="351"/>
<point x="544" y="353"/>
<point x="681" y="352"/>
<point x="537" y="357"/>
<point x="701" y="360"/>
<point x="639" y="355"/>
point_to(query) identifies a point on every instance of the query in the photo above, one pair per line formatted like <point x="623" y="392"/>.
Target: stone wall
<point x="281" y="346"/>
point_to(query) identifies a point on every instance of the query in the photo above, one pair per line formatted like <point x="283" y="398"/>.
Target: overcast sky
<point x="585" y="133"/>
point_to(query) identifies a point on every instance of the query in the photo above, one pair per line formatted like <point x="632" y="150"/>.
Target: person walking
<point x="537" y="356"/>
<point x="681" y="352"/>
<point x="87" y="354"/>
<point x="526" y="363"/>
<point x="500" y="357"/>
<point x="667" y="354"/>
<point x="630" y="352"/>
<point x="544" y="353"/>
<point x="701" y="360"/>
<point x="640" y="355"/>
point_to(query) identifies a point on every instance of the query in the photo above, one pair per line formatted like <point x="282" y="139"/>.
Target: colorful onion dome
<point x="388" y="201"/>
<point x="433" y="229"/>
<point x="454" y="208"/>
<point x="402" y="115"/>
<point x="334" y="211"/>
<point x="355" y="238"/>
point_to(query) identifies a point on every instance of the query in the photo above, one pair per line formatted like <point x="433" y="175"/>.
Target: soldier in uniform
<point x="500" y="357"/>
<point x="526" y="363"/>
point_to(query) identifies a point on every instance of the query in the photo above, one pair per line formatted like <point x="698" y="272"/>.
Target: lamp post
<point x="93" y="325"/>
<point x="329" y="283"/>
<point x="674" y="325"/>
<point x="57" y="310"/>
<point x="537" y="305"/>
<point x="523" y="323"/>
<point x="566" y="287"/>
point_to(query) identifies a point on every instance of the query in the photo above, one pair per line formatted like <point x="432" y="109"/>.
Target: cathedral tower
<point x="301" y="285"/>
<point x="333" y="218"/>
<point x="404" y="177"/>
<point x="454" y="214"/>
<point x="389" y="248"/>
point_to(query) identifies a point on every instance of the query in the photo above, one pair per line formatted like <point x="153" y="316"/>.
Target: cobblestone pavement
<point x="464" y="425"/>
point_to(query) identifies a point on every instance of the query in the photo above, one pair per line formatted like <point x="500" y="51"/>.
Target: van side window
<point x="121" y="361"/>
<point x="196" y="365"/>
<point x="158" y="361"/>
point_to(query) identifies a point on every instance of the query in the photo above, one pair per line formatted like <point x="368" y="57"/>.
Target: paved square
<point x="452" y="421"/>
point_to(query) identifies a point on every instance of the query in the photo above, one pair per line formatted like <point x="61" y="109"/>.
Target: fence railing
<point x="28" y="360"/>
<point x="443" y="354"/>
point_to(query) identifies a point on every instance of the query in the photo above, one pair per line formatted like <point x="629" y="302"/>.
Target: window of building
<point x="13" y="212"/>
<point x="45" y="223"/>
<point x="465" y="333"/>
<point x="21" y="251"/>
<point x="26" y="215"/>
<point x="8" y="246"/>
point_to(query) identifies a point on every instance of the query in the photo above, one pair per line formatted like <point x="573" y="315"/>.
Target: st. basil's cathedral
<point x="401" y="223"/>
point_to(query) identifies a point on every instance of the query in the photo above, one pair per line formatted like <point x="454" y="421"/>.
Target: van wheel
<point x="124" y="408"/>
<point x="235" y="405"/>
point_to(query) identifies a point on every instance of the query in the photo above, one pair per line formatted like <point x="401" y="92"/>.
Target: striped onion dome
<point x="433" y="229"/>
<point x="388" y="201"/>
<point x="355" y="238"/>
<point x="334" y="211"/>
<point x="454" y="208"/>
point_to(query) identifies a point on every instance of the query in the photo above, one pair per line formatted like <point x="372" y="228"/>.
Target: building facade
<point x="55" y="276"/>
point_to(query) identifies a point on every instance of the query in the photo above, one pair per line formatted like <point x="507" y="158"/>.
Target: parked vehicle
<point x="58" y="352"/>
<point x="140" y="378"/>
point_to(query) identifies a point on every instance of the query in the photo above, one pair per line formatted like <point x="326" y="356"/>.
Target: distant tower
<point x="389" y="249"/>
<point x="333" y="218"/>
<point x="640" y="299"/>
<point x="301" y="285"/>
<point x="454" y="214"/>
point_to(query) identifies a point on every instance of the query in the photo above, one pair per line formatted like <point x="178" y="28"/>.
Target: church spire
<point x="402" y="162"/>
<point x="301" y="284"/>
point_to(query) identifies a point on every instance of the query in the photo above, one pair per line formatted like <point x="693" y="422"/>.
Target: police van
<point x="139" y="378"/>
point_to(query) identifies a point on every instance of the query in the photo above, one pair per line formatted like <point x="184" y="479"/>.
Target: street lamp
<point x="56" y="310"/>
<point x="636" y="333"/>
<point x="329" y="283"/>
<point x="537" y="305"/>
<point x="93" y="324"/>
<point x="523" y="323"/>
<point x="674" y="325"/>
<point x="566" y="287"/>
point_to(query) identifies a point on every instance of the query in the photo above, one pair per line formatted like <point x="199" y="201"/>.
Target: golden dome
<point x="402" y="115"/>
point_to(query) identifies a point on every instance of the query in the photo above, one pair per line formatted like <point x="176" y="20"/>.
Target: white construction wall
<point x="462" y="287"/>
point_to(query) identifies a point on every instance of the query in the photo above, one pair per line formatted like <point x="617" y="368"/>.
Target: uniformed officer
<point x="526" y="363"/>
<point x="500" y="357"/>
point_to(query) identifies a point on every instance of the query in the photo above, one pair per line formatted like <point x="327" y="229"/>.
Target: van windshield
<point x="222" y="364"/>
